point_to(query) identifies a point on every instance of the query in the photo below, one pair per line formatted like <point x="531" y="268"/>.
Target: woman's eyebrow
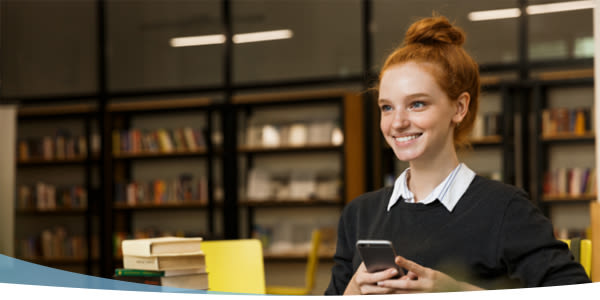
<point x="417" y="95"/>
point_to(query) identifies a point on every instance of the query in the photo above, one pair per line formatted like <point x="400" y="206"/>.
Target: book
<point x="197" y="281"/>
<point x="194" y="260"/>
<point x="187" y="279"/>
<point x="161" y="245"/>
<point x="153" y="280"/>
<point x="137" y="272"/>
<point x="259" y="184"/>
<point x="164" y="273"/>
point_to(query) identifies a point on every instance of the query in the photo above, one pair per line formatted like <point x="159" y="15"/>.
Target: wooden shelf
<point x="566" y="74"/>
<point x="292" y="202"/>
<point x="150" y="155"/>
<point x="285" y="97"/>
<point x="486" y="140"/>
<point x="57" y="110"/>
<point x="162" y="104"/>
<point x="56" y="211"/>
<point x="284" y="149"/>
<point x="152" y="206"/>
<point x="569" y="137"/>
<point x="35" y="161"/>
<point x="567" y="198"/>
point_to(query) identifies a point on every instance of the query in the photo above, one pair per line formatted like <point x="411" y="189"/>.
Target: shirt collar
<point x="448" y="192"/>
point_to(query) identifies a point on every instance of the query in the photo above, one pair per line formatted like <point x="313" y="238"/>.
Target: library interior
<point x="258" y="119"/>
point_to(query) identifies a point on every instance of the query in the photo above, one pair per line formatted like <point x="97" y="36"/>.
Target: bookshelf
<point x="300" y="155"/>
<point x="56" y="209"/>
<point x="163" y="160"/>
<point x="564" y="171"/>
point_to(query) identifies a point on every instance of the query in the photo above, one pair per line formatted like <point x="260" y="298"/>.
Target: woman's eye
<point x="386" y="107"/>
<point x="417" y="105"/>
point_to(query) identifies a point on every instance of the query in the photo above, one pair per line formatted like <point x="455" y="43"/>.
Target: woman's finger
<point x="411" y="266"/>
<point x="411" y="276"/>
<point x="375" y="289"/>
<point x="404" y="285"/>
<point x="365" y="277"/>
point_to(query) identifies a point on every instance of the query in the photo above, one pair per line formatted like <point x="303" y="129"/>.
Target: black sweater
<point x="494" y="238"/>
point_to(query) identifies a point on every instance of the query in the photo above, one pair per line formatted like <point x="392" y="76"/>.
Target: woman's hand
<point x="364" y="283"/>
<point x="420" y="279"/>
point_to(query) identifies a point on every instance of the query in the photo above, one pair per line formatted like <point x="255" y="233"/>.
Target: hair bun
<point x="434" y="30"/>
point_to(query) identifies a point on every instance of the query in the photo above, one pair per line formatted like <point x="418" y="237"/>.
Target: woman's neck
<point x="424" y="177"/>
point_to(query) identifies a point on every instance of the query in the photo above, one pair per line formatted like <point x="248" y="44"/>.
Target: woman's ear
<point x="462" y="107"/>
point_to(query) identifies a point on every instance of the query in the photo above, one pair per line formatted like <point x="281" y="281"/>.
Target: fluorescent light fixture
<point x="559" y="7"/>
<point x="261" y="36"/>
<point x="199" y="40"/>
<point x="239" y="38"/>
<point x="495" y="14"/>
<point x="537" y="9"/>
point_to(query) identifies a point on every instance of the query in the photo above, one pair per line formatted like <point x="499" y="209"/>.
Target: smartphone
<point x="378" y="255"/>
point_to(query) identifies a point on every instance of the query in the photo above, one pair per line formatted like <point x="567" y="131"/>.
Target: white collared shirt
<point x="448" y="192"/>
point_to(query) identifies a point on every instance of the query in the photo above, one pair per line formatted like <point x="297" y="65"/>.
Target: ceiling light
<point x="239" y="38"/>
<point x="495" y="14"/>
<point x="559" y="7"/>
<point x="262" y="36"/>
<point x="537" y="9"/>
<point x="199" y="40"/>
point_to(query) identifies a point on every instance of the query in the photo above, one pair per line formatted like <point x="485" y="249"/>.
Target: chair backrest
<point x="313" y="259"/>
<point x="235" y="266"/>
<point x="584" y="257"/>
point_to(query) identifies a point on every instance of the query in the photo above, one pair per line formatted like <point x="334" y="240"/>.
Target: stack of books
<point x="168" y="261"/>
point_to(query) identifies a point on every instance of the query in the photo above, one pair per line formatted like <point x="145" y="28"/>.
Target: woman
<point x="452" y="229"/>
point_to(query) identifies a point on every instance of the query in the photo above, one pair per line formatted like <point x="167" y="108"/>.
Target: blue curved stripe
<point x="16" y="271"/>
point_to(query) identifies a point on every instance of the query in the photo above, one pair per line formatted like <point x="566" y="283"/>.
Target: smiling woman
<point x="454" y="230"/>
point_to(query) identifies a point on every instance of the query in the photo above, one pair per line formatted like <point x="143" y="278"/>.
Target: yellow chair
<point x="585" y="254"/>
<point x="235" y="266"/>
<point x="311" y="270"/>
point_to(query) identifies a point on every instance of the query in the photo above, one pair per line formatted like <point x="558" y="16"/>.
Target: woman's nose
<point x="400" y="120"/>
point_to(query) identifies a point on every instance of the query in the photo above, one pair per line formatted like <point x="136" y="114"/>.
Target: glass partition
<point x="144" y="52"/>
<point x="296" y="39"/>
<point x="48" y="48"/>
<point x="489" y="41"/>
<point x="560" y="29"/>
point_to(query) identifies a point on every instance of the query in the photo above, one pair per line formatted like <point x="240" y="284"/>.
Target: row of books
<point x="297" y="185"/>
<point x="136" y="141"/>
<point x="168" y="261"/>
<point x="577" y="121"/>
<point x="58" y="147"/>
<point x="570" y="182"/>
<point x="295" y="134"/>
<point x="185" y="188"/>
<point x="56" y="243"/>
<point x="489" y="124"/>
<point x="44" y="196"/>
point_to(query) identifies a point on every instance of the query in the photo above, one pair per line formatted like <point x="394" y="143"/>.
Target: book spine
<point x="141" y="263"/>
<point x="136" y="272"/>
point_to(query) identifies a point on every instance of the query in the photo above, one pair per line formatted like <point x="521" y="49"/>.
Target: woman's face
<point x="417" y="118"/>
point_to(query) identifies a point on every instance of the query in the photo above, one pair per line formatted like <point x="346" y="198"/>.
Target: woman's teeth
<point x="407" y="138"/>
